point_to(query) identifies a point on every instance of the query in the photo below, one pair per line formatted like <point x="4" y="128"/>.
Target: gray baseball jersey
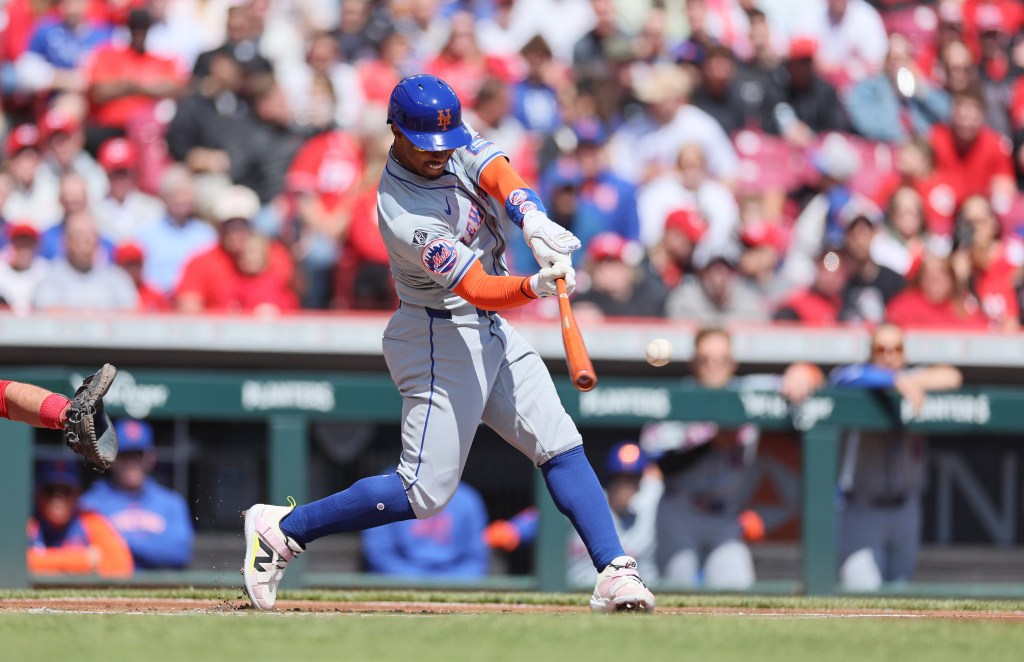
<point x="454" y="365"/>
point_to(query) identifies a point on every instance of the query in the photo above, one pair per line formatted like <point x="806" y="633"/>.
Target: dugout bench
<point x="290" y="401"/>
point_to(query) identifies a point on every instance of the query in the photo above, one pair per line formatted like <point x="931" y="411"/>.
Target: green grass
<point x="497" y="637"/>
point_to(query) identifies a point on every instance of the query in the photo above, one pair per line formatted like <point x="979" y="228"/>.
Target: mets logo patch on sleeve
<point x="439" y="256"/>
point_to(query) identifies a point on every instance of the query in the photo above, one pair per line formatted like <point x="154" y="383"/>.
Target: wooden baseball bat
<point x="581" y="370"/>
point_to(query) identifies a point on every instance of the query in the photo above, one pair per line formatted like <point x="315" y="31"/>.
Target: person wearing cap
<point x="763" y="243"/>
<point x="125" y="209"/>
<point x="869" y="286"/>
<point x="899" y="102"/>
<point x="176" y="235"/>
<point x="819" y="303"/>
<point x="154" y="520"/>
<point x="716" y="295"/>
<point x="126" y="82"/>
<point x="703" y="519"/>
<point x="33" y="195"/>
<point x="82" y="280"/>
<point x="21" y="268"/>
<point x="217" y="279"/>
<point x="605" y="202"/>
<point x="63" y="144"/>
<point x="130" y="257"/>
<point x="804" y="103"/>
<point x="621" y="282"/>
<point x="648" y="143"/>
<point x="67" y="538"/>
<point x="58" y="48"/>
<point x="672" y="256"/>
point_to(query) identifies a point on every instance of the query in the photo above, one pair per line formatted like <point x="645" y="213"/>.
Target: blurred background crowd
<point x="817" y="161"/>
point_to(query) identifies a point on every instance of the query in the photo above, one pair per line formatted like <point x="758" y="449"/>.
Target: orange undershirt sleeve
<point x="489" y="292"/>
<point x="499" y="179"/>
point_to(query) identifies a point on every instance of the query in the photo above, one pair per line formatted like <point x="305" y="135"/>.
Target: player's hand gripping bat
<point x="581" y="370"/>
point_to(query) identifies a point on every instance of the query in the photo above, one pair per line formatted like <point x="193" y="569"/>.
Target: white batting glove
<point x="543" y="282"/>
<point x="550" y="242"/>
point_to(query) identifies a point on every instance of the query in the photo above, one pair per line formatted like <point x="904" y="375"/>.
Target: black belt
<point x="444" y="313"/>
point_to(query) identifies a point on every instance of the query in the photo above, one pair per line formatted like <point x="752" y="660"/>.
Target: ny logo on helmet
<point x="444" y="119"/>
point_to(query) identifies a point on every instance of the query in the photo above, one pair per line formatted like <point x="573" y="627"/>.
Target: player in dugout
<point x="442" y="198"/>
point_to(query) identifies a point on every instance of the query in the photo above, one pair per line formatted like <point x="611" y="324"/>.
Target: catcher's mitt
<point x="88" y="430"/>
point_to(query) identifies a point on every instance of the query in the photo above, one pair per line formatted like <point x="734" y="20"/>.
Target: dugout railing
<point x="290" y="401"/>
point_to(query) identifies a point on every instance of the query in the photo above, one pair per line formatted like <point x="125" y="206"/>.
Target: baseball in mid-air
<point x="659" y="352"/>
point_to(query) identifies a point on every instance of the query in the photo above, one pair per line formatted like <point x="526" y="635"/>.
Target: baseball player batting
<point x="456" y="361"/>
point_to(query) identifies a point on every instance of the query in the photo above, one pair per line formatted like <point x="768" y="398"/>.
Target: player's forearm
<point x="937" y="377"/>
<point x="503" y="183"/>
<point x="31" y="404"/>
<point x="489" y="292"/>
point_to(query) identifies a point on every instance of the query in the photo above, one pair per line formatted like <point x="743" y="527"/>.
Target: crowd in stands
<point x="816" y="161"/>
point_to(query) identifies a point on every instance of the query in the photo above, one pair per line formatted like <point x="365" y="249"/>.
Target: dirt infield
<point x="292" y="607"/>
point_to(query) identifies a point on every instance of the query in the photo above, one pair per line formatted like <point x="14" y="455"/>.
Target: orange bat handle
<point x="581" y="370"/>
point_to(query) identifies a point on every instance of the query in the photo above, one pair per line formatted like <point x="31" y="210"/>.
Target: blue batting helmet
<point x="429" y="113"/>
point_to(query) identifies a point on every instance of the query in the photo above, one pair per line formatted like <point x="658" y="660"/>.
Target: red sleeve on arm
<point x="494" y="292"/>
<point x="499" y="179"/>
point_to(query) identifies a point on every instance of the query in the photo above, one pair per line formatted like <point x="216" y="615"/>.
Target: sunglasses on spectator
<point x="887" y="349"/>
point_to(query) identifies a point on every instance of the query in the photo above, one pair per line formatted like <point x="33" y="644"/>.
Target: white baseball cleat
<point x="267" y="552"/>
<point x="619" y="588"/>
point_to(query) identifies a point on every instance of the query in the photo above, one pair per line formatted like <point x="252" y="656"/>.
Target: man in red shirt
<point x="242" y="273"/>
<point x="126" y="82"/>
<point x="987" y="263"/>
<point x="973" y="158"/>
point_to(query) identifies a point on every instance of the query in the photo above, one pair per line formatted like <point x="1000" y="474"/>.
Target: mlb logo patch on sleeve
<point x="419" y="238"/>
<point x="477" y="146"/>
<point x="439" y="256"/>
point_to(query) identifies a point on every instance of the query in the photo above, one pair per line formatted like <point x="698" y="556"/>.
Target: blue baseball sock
<point x="367" y="503"/>
<point x="577" y="493"/>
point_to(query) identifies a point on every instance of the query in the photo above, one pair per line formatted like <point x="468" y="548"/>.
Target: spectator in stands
<point x="702" y="521"/>
<point x="804" y="103"/>
<point x="733" y="98"/>
<point x="74" y="199"/>
<point x="491" y="117"/>
<point x="173" y="34"/>
<point x="716" y="295"/>
<point x="821" y="302"/>
<point x="633" y="485"/>
<point x="973" y="158"/>
<point x="63" y="152"/>
<point x="648" y="143"/>
<point x="270" y="142"/>
<point x="21" y="268"/>
<point x="881" y="475"/>
<point x="534" y="98"/>
<point x="177" y="235"/>
<point x="817" y="227"/>
<point x="241" y="45"/>
<point x="994" y="33"/>
<point x="378" y="76"/>
<point x="986" y="263"/>
<point x="934" y="299"/>
<point x="238" y="274"/>
<point x="448" y="545"/>
<point x="80" y="280"/>
<point x="869" y="286"/>
<point x="851" y="35"/>
<point x="903" y="239"/>
<point x="690" y="186"/>
<point x="606" y="202"/>
<point x="126" y="82"/>
<point x="590" y="54"/>
<point x="915" y="168"/>
<point x="360" y="31"/>
<point x="461" y="63"/>
<point x="67" y="539"/>
<point x="59" y="47"/>
<point x="672" y="257"/>
<point x="126" y="209"/>
<point x="621" y="283"/>
<point x="763" y="244"/>
<point x="154" y="520"/>
<point x="898" y="103"/>
<point x="130" y="257"/>
<point x="208" y="131"/>
<point x="33" y="195"/>
<point x="323" y="62"/>
<point x="321" y="184"/>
